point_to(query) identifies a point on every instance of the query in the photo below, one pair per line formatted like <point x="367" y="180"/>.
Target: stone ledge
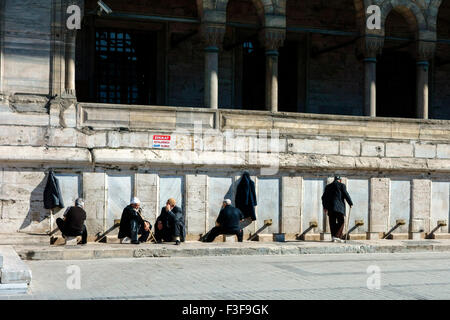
<point x="26" y="154"/>
<point x="10" y="289"/>
<point x="14" y="270"/>
<point x="197" y="249"/>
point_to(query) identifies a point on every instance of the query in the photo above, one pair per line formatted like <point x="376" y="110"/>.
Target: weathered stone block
<point x="399" y="150"/>
<point x="313" y="146"/>
<point x="421" y="202"/>
<point x="94" y="140"/>
<point x="62" y="137"/>
<point x="291" y="204"/>
<point x="350" y="148"/>
<point x="379" y="205"/>
<point x="196" y="203"/>
<point x="425" y="151"/>
<point x="443" y="151"/>
<point x="15" y="135"/>
<point x="372" y="149"/>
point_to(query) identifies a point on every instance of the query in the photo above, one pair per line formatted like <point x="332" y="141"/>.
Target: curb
<point x="64" y="253"/>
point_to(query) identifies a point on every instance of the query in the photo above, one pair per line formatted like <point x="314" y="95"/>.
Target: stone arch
<point x="410" y="11"/>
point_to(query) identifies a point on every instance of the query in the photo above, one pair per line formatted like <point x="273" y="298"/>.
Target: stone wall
<point x="290" y="157"/>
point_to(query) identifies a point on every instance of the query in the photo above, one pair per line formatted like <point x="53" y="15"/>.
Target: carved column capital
<point x="425" y="50"/>
<point x="213" y="34"/>
<point x="371" y="46"/>
<point x="271" y="38"/>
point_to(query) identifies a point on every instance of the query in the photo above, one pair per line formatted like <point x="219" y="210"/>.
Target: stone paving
<point x="328" y="277"/>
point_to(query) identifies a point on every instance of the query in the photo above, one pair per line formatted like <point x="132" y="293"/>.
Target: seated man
<point x="132" y="223"/>
<point x="170" y="223"/>
<point x="73" y="223"/>
<point x="228" y="222"/>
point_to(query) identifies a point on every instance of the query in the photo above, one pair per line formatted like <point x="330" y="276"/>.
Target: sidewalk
<point x="198" y="249"/>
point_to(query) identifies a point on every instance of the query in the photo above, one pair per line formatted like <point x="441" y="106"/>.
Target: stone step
<point x="23" y="238"/>
<point x="11" y="289"/>
<point x="440" y="236"/>
<point x="14" y="270"/>
<point x="198" y="249"/>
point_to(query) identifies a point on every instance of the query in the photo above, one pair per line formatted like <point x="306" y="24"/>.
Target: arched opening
<point x="396" y="69"/>
<point x="242" y="38"/>
<point x="122" y="57"/>
<point x="320" y="73"/>
<point x="441" y="67"/>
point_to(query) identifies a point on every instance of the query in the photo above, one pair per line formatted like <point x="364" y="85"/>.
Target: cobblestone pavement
<point x="343" y="276"/>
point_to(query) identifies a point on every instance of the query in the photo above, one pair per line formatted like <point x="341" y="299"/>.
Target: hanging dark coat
<point x="52" y="193"/>
<point x="246" y="196"/>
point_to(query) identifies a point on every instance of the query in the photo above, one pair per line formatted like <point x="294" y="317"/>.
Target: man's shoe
<point x="135" y="242"/>
<point x="177" y="243"/>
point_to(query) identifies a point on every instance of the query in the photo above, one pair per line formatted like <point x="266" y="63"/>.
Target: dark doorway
<point x="253" y="76"/>
<point x="288" y="75"/>
<point x="396" y="85"/>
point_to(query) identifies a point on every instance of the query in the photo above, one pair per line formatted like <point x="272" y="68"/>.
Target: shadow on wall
<point x="36" y="212"/>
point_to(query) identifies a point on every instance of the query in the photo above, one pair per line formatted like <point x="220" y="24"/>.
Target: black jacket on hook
<point x="246" y="196"/>
<point x="52" y="193"/>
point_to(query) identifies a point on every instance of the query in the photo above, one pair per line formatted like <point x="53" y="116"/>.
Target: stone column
<point x="420" y="207"/>
<point x="425" y="51"/>
<point x="272" y="39"/>
<point x="70" y="43"/>
<point x="196" y="205"/>
<point x="213" y="35"/>
<point x="291" y="193"/>
<point x="379" y="207"/>
<point x="146" y="189"/>
<point x="95" y="201"/>
<point x="371" y="46"/>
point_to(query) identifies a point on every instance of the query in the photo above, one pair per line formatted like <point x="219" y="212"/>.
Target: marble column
<point x="213" y="36"/>
<point x="371" y="46"/>
<point x="272" y="40"/>
<point x="70" y="43"/>
<point x="425" y="51"/>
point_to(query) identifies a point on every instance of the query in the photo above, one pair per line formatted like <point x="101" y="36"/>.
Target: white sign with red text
<point x="162" y="141"/>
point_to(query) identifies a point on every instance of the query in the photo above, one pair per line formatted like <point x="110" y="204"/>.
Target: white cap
<point x="135" y="200"/>
<point x="227" y="201"/>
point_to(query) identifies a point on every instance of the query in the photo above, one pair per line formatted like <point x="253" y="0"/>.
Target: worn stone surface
<point x="379" y="210"/>
<point x="14" y="270"/>
<point x="421" y="202"/>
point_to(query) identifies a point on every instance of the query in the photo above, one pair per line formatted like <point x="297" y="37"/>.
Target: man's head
<point x="337" y="178"/>
<point x="171" y="202"/>
<point x="226" y="202"/>
<point x="79" y="203"/>
<point x="135" y="202"/>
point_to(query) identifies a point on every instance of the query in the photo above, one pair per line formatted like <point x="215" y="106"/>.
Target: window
<point x="125" y="68"/>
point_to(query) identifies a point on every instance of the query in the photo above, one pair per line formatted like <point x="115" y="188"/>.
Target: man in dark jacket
<point x="246" y="199"/>
<point x="132" y="223"/>
<point x="333" y="203"/>
<point x="228" y="222"/>
<point x="73" y="223"/>
<point x="170" y="224"/>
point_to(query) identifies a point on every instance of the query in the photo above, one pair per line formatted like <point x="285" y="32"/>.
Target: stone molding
<point x="213" y="34"/>
<point x="371" y="46"/>
<point x="272" y="38"/>
<point x="425" y="50"/>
